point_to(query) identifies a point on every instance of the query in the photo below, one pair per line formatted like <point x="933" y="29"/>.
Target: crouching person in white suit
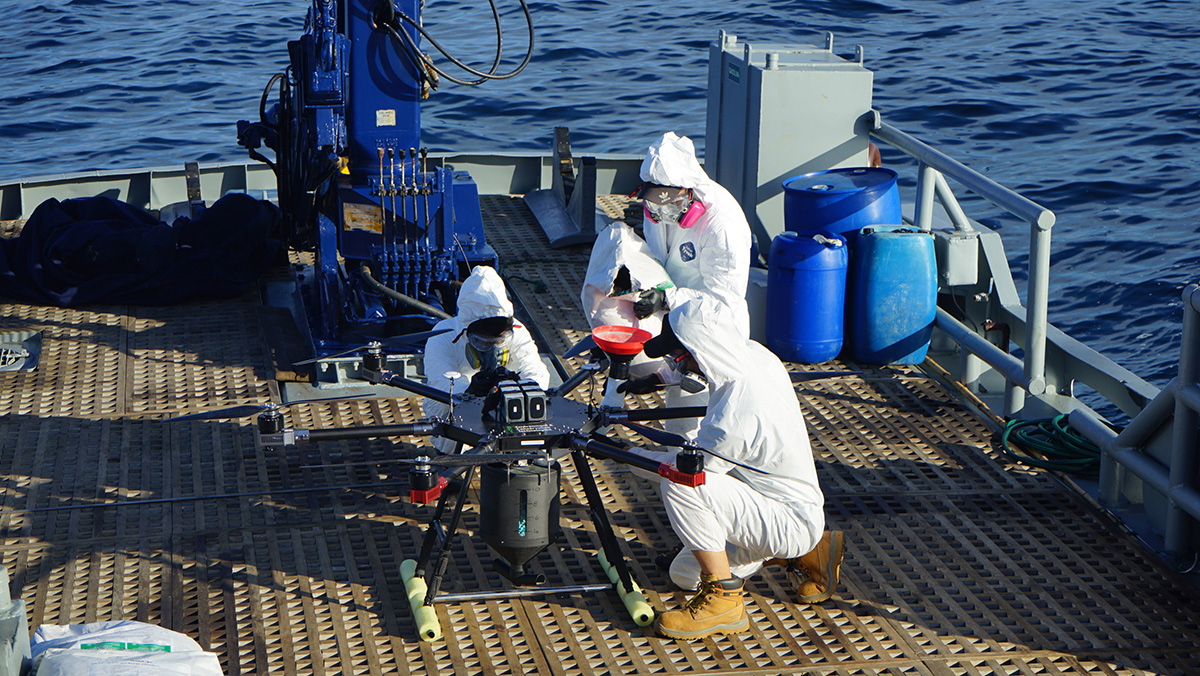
<point x="481" y="341"/>
<point x="761" y="500"/>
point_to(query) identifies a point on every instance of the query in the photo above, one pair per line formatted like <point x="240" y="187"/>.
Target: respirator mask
<point x="488" y="353"/>
<point x="488" y="342"/>
<point x="692" y="382"/>
<point x="670" y="212"/>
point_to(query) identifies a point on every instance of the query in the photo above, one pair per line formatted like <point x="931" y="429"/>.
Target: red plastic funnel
<point x="620" y="340"/>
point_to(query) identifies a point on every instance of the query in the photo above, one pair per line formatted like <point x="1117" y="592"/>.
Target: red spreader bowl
<point x="622" y="340"/>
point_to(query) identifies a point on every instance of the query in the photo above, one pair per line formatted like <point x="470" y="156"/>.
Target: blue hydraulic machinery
<point x="391" y="235"/>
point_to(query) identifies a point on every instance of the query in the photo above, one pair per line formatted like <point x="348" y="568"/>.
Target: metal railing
<point x="1166" y="464"/>
<point x="931" y="183"/>
<point x="1175" y="479"/>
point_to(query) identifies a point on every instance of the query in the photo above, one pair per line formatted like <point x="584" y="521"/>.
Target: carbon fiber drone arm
<point x="692" y="474"/>
<point x="268" y="434"/>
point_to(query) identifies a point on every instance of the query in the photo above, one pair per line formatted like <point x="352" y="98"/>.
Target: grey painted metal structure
<point x="495" y="173"/>
<point x="1173" y="475"/>
<point x="1153" y="462"/>
<point x="778" y="111"/>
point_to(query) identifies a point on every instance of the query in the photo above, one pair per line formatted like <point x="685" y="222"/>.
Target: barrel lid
<point x="844" y="180"/>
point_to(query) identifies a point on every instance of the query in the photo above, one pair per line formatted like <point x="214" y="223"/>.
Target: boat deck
<point x="287" y="561"/>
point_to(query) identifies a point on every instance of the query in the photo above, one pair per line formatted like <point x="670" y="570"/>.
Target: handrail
<point x="1172" y="474"/>
<point x="932" y="164"/>
<point x="1175" y="479"/>
<point x="1017" y="205"/>
<point x="993" y="356"/>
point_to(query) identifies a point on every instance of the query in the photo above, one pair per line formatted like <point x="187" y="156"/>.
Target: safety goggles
<point x="495" y="343"/>
<point x="676" y="359"/>
<point x="667" y="212"/>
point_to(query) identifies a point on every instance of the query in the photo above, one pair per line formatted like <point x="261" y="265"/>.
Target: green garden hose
<point x="1061" y="447"/>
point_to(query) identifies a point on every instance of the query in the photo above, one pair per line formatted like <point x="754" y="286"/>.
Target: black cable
<point x="429" y="71"/>
<point x="262" y="102"/>
<point x="460" y="64"/>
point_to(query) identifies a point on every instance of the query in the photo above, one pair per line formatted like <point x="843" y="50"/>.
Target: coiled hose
<point x="1061" y="447"/>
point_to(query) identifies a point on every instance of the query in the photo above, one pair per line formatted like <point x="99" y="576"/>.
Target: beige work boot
<point x="814" y="576"/>
<point x="717" y="608"/>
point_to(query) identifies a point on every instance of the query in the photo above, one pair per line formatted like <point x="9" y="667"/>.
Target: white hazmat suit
<point x="619" y="255"/>
<point x="482" y="295"/>
<point x="754" y="419"/>
<point x="710" y="258"/>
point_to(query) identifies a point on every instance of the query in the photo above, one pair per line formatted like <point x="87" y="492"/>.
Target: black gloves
<point x="649" y="302"/>
<point x="646" y="385"/>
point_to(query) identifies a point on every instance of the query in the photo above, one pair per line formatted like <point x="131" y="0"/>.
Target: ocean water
<point x="1087" y="107"/>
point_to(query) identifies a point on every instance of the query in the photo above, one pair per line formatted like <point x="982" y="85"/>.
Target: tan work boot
<point x="814" y="576"/>
<point x="717" y="608"/>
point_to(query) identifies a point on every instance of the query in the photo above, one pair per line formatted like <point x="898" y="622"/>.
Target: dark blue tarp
<point x="101" y="250"/>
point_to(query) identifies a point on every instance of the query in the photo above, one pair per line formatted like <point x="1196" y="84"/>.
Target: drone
<point x="516" y="434"/>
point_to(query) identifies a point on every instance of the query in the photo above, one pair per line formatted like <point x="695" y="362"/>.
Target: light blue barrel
<point x="894" y="295"/>
<point x="806" y="295"/>
<point x="841" y="201"/>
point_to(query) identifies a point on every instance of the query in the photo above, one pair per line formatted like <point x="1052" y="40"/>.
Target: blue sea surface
<point x="1087" y="107"/>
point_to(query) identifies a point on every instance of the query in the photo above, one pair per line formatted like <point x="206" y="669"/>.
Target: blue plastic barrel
<point x="841" y="201"/>
<point x="894" y="295"/>
<point x="806" y="295"/>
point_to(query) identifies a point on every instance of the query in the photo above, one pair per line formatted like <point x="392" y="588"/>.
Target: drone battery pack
<point x="512" y="403"/>
<point x="535" y="406"/>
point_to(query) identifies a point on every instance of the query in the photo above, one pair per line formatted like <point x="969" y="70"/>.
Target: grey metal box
<point x="957" y="257"/>
<point x="777" y="111"/>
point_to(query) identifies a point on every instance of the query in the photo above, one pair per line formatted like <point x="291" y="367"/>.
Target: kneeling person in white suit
<point x="761" y="500"/>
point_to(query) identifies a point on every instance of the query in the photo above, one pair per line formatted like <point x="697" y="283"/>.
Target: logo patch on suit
<point x="687" y="251"/>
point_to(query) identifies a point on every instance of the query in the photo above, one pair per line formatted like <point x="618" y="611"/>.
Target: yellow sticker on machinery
<point x="362" y="217"/>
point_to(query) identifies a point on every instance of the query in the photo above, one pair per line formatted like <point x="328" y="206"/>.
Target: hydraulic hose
<point x="389" y="20"/>
<point x="400" y="297"/>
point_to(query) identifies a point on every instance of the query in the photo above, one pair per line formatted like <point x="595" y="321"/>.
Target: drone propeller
<point x="470" y="459"/>
<point x="247" y="410"/>
<point x="658" y="436"/>
<point x="584" y="345"/>
<point x="393" y="342"/>
<point x="671" y="439"/>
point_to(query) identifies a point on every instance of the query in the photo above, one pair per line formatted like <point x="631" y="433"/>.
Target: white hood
<point x="711" y="331"/>
<point x="671" y="160"/>
<point x="482" y="295"/>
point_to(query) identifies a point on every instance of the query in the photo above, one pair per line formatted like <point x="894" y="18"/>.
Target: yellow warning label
<point x="362" y="217"/>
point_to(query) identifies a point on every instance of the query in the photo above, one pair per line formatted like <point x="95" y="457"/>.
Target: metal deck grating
<point x="287" y="562"/>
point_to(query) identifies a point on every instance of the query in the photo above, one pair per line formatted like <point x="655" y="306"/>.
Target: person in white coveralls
<point x="761" y="502"/>
<point x="698" y="232"/>
<point x="479" y="341"/>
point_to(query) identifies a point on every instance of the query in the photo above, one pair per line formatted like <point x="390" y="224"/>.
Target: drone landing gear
<point x="522" y="528"/>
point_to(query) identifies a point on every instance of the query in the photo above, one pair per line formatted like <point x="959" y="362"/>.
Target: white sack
<point x="617" y="247"/>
